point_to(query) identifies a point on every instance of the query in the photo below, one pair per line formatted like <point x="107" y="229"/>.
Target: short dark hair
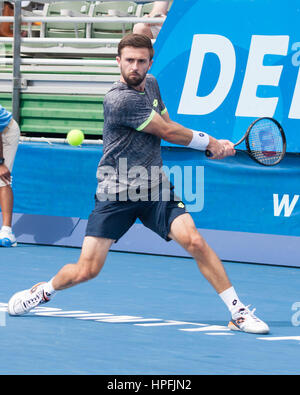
<point x="136" y="41"/>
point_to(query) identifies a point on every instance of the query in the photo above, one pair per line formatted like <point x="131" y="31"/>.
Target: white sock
<point x="6" y="228"/>
<point x="231" y="300"/>
<point x="48" y="288"/>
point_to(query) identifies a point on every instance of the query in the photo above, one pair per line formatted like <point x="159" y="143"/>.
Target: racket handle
<point x="208" y="153"/>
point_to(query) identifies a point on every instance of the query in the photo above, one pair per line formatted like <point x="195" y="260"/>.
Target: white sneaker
<point x="24" y="301"/>
<point x="7" y="238"/>
<point x="246" y="321"/>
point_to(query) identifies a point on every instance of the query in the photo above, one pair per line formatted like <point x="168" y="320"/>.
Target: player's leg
<point x="107" y="223"/>
<point x="92" y="258"/>
<point x="184" y="232"/>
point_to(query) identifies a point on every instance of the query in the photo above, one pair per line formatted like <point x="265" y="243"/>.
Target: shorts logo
<point x="155" y="103"/>
<point x="180" y="205"/>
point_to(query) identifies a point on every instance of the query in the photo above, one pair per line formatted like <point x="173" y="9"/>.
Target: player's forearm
<point x="173" y="132"/>
<point x="177" y="134"/>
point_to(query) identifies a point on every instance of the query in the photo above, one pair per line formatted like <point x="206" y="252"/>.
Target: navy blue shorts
<point x="111" y="220"/>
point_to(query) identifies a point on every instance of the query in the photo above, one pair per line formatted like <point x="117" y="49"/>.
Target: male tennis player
<point x="136" y="120"/>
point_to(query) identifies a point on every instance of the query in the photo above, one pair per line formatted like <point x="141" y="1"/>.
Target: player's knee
<point x="196" y="244"/>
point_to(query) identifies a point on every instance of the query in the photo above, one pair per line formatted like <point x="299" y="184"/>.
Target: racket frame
<point x="245" y="137"/>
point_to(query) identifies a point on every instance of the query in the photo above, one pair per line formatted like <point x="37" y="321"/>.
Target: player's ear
<point x="150" y="64"/>
<point x="118" y="59"/>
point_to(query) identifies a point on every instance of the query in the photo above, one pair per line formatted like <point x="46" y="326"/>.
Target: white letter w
<point x="285" y="202"/>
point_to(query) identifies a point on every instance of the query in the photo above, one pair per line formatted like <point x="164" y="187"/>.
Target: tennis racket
<point x="265" y="141"/>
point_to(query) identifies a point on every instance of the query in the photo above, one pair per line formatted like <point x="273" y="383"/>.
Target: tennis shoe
<point x="246" y="321"/>
<point x="7" y="238"/>
<point x="22" y="302"/>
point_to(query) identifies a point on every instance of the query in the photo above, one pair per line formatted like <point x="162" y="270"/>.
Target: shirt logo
<point x="180" y="205"/>
<point x="155" y="103"/>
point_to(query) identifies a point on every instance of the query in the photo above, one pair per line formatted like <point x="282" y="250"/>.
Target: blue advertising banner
<point x="220" y="195"/>
<point x="221" y="64"/>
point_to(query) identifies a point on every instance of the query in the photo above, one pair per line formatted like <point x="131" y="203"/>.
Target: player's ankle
<point x="231" y="300"/>
<point x="49" y="289"/>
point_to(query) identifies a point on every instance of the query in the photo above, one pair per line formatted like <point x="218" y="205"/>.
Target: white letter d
<point x="192" y="104"/>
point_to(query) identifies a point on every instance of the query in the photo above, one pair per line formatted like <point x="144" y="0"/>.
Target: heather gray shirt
<point x="131" y="158"/>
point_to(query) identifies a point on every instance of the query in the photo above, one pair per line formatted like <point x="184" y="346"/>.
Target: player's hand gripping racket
<point x="265" y="141"/>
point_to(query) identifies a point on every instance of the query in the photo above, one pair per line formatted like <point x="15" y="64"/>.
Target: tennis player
<point x="136" y="120"/>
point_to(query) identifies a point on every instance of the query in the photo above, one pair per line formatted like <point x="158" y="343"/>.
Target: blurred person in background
<point x="9" y="140"/>
<point x="159" y="10"/>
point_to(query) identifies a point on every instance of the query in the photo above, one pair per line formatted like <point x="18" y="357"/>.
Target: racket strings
<point x="265" y="142"/>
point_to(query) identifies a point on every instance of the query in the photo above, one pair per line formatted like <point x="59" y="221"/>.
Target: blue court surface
<point x="146" y="315"/>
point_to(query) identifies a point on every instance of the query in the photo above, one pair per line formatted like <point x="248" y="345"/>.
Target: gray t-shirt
<point x="131" y="160"/>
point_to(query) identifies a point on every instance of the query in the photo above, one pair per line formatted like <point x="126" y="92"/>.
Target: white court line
<point x="115" y="319"/>
<point x="74" y="314"/>
<point x="207" y="328"/>
<point x="167" y="323"/>
<point x="212" y="330"/>
<point x="3" y="307"/>
<point x="219" y="334"/>
<point x="121" y="318"/>
<point x="85" y="315"/>
<point x="279" y="338"/>
<point x="94" y="316"/>
<point x="60" y="313"/>
<point x="36" y="308"/>
<point x="50" y="309"/>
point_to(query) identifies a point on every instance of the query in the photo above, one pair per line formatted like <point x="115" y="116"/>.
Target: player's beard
<point x="134" y="79"/>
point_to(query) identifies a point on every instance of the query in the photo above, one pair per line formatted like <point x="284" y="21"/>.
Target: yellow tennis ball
<point x="75" y="137"/>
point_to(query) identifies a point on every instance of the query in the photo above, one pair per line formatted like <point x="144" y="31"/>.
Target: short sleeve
<point x="132" y="110"/>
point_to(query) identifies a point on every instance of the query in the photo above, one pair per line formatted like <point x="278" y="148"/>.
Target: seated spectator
<point x="6" y="28"/>
<point x="160" y="9"/>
